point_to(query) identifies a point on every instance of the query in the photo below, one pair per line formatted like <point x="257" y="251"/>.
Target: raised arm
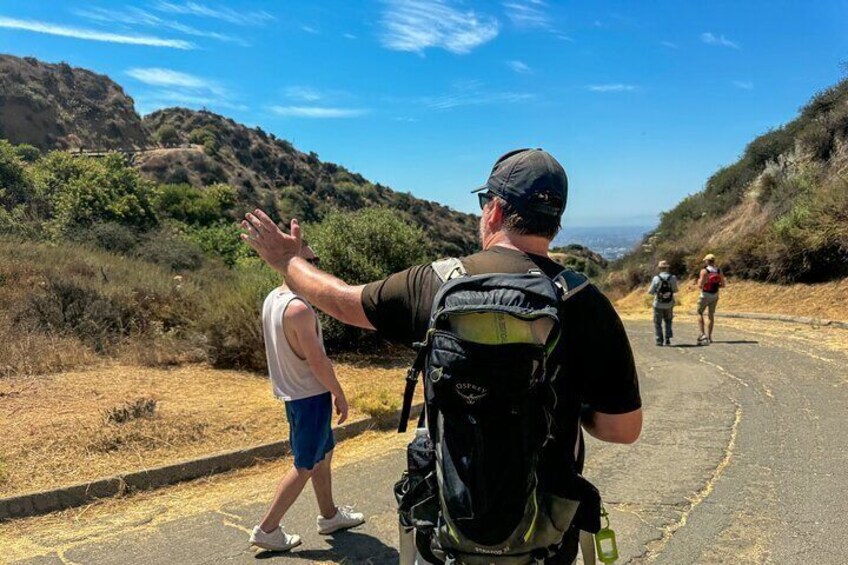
<point x="326" y="292"/>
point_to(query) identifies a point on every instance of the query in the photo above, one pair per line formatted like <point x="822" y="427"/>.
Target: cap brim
<point x="484" y="187"/>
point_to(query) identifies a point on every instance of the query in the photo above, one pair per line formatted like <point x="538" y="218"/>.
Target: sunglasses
<point x="314" y="260"/>
<point x="484" y="198"/>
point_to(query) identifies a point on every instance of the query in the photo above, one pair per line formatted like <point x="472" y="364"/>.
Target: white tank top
<point x="291" y="376"/>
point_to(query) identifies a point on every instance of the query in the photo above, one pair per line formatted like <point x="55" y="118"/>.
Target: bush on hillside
<point x="15" y="184"/>
<point x="232" y="323"/>
<point x="95" y="297"/>
<point x="360" y="247"/>
<point x="201" y="206"/>
<point x="72" y="192"/>
<point x="168" y="136"/>
<point x="171" y="249"/>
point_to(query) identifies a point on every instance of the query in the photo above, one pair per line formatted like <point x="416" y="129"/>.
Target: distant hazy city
<point x="610" y="242"/>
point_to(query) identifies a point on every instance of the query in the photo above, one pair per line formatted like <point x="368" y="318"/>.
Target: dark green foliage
<point x="14" y="181"/>
<point x="168" y="136"/>
<point x="200" y="206"/>
<point x="361" y="247"/>
<point x="220" y="241"/>
<point x="232" y="322"/>
<point x="367" y="245"/>
<point x="171" y="250"/>
<point x="72" y="192"/>
<point x="27" y="153"/>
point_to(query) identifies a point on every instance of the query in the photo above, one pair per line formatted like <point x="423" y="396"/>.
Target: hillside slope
<point x="56" y="106"/>
<point x="61" y="107"/>
<point x="270" y="172"/>
<point x="779" y="214"/>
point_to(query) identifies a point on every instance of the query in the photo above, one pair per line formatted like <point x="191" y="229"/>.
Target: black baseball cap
<point x="531" y="180"/>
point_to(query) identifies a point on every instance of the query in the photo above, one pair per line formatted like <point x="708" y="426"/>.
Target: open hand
<point x="275" y="247"/>
<point x="340" y="403"/>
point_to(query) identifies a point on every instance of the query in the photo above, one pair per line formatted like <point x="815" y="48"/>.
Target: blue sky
<point x="641" y="102"/>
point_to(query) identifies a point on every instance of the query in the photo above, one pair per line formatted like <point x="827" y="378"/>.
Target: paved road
<point x="742" y="460"/>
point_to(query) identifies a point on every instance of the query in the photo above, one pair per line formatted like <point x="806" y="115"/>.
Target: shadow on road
<point x="715" y="342"/>
<point x="350" y="547"/>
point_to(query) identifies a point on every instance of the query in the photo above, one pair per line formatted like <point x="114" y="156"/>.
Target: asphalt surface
<point x="742" y="460"/>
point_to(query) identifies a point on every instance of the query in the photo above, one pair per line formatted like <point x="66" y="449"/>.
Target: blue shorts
<point x="310" y="429"/>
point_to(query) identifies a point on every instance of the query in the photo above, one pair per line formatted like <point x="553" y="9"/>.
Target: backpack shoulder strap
<point x="447" y="269"/>
<point x="570" y="283"/>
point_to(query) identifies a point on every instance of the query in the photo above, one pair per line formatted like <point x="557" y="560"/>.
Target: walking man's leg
<point x="288" y="490"/>
<point x="658" y="331"/>
<point x="669" y="316"/>
<point x="322" y="484"/>
<point x="711" y="312"/>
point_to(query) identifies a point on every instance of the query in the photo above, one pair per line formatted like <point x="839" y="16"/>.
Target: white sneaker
<point x="345" y="518"/>
<point x="278" y="540"/>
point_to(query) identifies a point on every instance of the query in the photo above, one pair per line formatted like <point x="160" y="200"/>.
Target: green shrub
<point x="73" y="192"/>
<point x="232" y="323"/>
<point x="109" y="236"/>
<point x="202" y="206"/>
<point x="360" y="247"/>
<point x="15" y="184"/>
<point x="220" y="241"/>
<point x="171" y="249"/>
<point x="168" y="135"/>
<point x="367" y="245"/>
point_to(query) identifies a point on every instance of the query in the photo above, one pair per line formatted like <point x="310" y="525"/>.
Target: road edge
<point x="44" y="502"/>
<point x="784" y="318"/>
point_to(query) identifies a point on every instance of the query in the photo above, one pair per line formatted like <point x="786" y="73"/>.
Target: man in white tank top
<point x="302" y="376"/>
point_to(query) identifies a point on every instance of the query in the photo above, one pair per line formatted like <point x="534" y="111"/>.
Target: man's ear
<point x="496" y="215"/>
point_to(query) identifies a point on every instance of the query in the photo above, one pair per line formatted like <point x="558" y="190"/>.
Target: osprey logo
<point x="471" y="393"/>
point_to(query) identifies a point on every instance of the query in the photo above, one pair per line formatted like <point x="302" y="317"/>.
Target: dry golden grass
<point x="56" y="429"/>
<point x="825" y="300"/>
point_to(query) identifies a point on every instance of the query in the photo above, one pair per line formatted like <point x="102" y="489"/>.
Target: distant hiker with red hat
<point x="709" y="281"/>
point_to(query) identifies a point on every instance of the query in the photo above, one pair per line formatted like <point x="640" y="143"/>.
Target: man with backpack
<point x="663" y="287"/>
<point x="709" y="281"/>
<point x="517" y="356"/>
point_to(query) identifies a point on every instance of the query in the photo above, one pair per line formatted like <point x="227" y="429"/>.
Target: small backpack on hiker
<point x="665" y="293"/>
<point x="471" y="491"/>
<point x="713" y="282"/>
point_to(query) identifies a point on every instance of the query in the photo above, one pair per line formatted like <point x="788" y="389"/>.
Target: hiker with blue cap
<point x="517" y="357"/>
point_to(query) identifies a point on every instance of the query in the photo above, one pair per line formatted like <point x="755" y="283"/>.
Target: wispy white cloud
<point x="304" y="93"/>
<point x="528" y="13"/>
<point x="519" y="67"/>
<point x="349" y="36"/>
<point x="92" y="34"/>
<point x="309" y="29"/>
<point x="668" y="44"/>
<point x="318" y="112"/>
<point x="222" y="13"/>
<point x="472" y="93"/>
<point x="564" y="37"/>
<point x="720" y="40"/>
<point x="137" y="17"/>
<point x="181" y="89"/>
<point x="613" y="87"/>
<point x="156" y="76"/>
<point x="744" y="84"/>
<point x="148" y="102"/>
<point x="416" y="25"/>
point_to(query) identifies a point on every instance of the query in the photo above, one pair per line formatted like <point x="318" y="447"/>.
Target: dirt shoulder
<point x="827" y="300"/>
<point x="77" y="426"/>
